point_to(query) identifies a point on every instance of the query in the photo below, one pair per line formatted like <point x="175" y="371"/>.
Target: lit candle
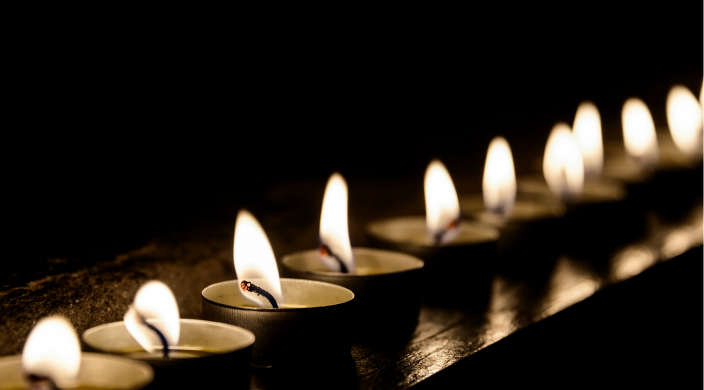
<point x="527" y="223"/>
<point x="590" y="200"/>
<point x="684" y="117"/>
<point x="373" y="275"/>
<point x="176" y="348"/>
<point x="661" y="168"/>
<point x="52" y="358"/>
<point x="295" y="321"/>
<point x="460" y="254"/>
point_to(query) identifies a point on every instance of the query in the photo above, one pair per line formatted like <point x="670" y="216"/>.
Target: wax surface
<point x="594" y="191"/>
<point x="286" y="306"/>
<point x="357" y="271"/>
<point x="180" y="352"/>
<point x="525" y="209"/>
<point x="413" y="230"/>
<point x="80" y="387"/>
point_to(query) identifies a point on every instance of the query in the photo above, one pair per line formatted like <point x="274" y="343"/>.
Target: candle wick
<point x="454" y="224"/>
<point x="158" y="333"/>
<point x="39" y="382"/>
<point x="326" y="252"/>
<point x="253" y="288"/>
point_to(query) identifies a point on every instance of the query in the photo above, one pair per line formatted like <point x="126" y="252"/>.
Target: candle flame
<point x="639" y="133"/>
<point x="255" y="261"/>
<point x="499" y="183"/>
<point x="684" y="117"/>
<point x="334" y="235"/>
<point x="587" y="130"/>
<point x="563" y="166"/>
<point x="52" y="350"/>
<point x="442" y="208"/>
<point x="156" y="304"/>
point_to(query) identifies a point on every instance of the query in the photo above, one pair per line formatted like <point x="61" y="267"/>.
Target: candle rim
<point x="236" y="283"/>
<point x="371" y="229"/>
<point x="248" y="337"/>
<point x="418" y="264"/>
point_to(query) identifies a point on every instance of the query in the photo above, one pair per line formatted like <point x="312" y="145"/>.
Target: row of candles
<point x="338" y="292"/>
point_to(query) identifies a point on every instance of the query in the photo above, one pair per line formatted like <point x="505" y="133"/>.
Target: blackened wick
<point x="325" y="251"/>
<point x="40" y="382"/>
<point x="158" y="333"/>
<point x="452" y="225"/>
<point x="251" y="287"/>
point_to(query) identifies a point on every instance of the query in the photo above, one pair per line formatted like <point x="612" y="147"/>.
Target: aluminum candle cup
<point x="459" y="273"/>
<point x="98" y="371"/>
<point x="386" y="288"/>
<point x="671" y="188"/>
<point x="597" y="221"/>
<point x="312" y="329"/>
<point x="527" y="241"/>
<point x="208" y="354"/>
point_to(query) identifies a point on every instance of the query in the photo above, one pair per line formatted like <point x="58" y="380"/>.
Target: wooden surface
<point x="446" y="336"/>
<point x="192" y="259"/>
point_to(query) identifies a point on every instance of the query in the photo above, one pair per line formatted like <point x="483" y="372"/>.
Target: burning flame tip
<point x="587" y="131"/>
<point x="684" y="118"/>
<point x="254" y="259"/>
<point x="154" y="301"/>
<point x="639" y="133"/>
<point x="335" y="249"/>
<point x="499" y="181"/>
<point x="563" y="165"/>
<point x="442" y="207"/>
<point x="52" y="350"/>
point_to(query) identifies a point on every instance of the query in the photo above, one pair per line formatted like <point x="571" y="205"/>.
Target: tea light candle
<point x="589" y="202"/>
<point x="459" y="254"/>
<point x="193" y="346"/>
<point x="311" y="321"/>
<point x="52" y="355"/>
<point x="379" y="275"/>
<point x="372" y="275"/>
<point x="527" y="223"/>
<point x="669" y="184"/>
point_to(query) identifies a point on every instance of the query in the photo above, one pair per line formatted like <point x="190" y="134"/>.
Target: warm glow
<point x="154" y="301"/>
<point x="52" y="350"/>
<point x="499" y="183"/>
<point x="254" y="260"/>
<point x="587" y="130"/>
<point x="442" y="208"/>
<point x="639" y="133"/>
<point x="333" y="225"/>
<point x="563" y="166"/>
<point x="631" y="261"/>
<point x="684" y="117"/>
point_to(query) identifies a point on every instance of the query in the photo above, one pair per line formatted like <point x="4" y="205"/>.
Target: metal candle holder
<point x="204" y="346"/>
<point x="97" y="371"/>
<point x="387" y="295"/>
<point x="527" y="241"/>
<point x="585" y="228"/>
<point x="312" y="328"/>
<point x="460" y="272"/>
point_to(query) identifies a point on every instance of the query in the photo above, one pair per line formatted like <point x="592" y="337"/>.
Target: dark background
<point x="116" y="134"/>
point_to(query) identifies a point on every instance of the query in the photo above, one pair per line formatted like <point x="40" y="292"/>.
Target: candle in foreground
<point x="527" y="223"/>
<point x="295" y="321"/>
<point x="458" y="253"/>
<point x="183" y="352"/>
<point x="373" y="275"/>
<point x="52" y="358"/>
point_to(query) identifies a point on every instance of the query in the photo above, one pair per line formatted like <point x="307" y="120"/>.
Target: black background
<point x="136" y="129"/>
